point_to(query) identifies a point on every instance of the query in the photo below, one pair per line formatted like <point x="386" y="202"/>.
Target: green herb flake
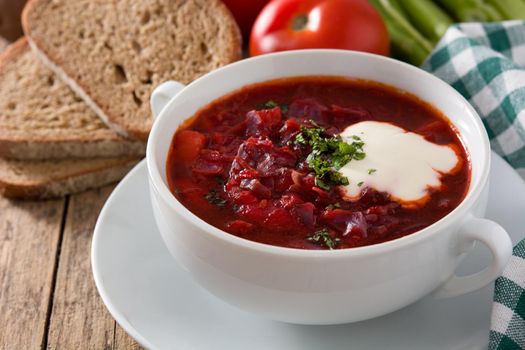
<point x="333" y="206"/>
<point x="371" y="171"/>
<point x="270" y="104"/>
<point x="213" y="198"/>
<point x="323" y="238"/>
<point x="328" y="155"/>
<point x="360" y="183"/>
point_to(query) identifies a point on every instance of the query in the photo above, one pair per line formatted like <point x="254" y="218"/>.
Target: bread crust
<point x="61" y="185"/>
<point x="49" y="57"/>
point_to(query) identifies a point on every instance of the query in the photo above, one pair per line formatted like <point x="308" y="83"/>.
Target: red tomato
<point x="245" y="13"/>
<point x="307" y="24"/>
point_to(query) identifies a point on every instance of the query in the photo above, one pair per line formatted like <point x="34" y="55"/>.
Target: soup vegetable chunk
<point x="318" y="163"/>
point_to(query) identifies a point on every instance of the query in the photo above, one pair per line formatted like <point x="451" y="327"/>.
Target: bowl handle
<point x="496" y="239"/>
<point x="163" y="94"/>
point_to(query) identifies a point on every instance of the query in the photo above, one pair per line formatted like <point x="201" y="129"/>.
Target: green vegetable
<point x="323" y="238"/>
<point x="510" y="9"/>
<point x="333" y="206"/>
<point x="213" y="198"/>
<point x="427" y="17"/>
<point x="471" y="10"/>
<point x="406" y="42"/>
<point x="371" y="171"/>
<point x="270" y="104"/>
<point x="328" y="155"/>
<point x="405" y="47"/>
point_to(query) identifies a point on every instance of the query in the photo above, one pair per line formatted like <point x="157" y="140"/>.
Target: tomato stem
<point x="299" y="22"/>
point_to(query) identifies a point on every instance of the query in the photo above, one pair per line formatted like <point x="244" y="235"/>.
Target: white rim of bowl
<point x="411" y="239"/>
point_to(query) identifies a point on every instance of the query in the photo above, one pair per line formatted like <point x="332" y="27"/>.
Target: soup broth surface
<point x="272" y="163"/>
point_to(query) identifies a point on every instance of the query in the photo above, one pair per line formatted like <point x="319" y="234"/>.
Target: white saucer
<point x="160" y="306"/>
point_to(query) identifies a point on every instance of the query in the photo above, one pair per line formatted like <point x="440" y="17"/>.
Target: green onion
<point x="405" y="47"/>
<point x="471" y="10"/>
<point x="510" y="9"/>
<point x="406" y="42"/>
<point x="391" y="9"/>
<point x="427" y="17"/>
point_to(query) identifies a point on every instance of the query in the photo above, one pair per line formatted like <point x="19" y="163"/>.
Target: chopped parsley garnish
<point x="270" y="104"/>
<point x="371" y="171"/>
<point x="360" y="183"/>
<point x="213" y="198"/>
<point x="323" y="238"/>
<point x="328" y="155"/>
<point x="333" y="206"/>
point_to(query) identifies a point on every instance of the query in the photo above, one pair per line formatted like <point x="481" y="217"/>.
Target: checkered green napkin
<point x="485" y="62"/>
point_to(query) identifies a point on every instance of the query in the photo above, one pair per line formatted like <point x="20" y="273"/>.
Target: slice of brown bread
<point x="41" y="118"/>
<point x="49" y="179"/>
<point x="114" y="52"/>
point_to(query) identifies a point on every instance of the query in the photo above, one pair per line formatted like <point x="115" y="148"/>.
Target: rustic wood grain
<point x="123" y="341"/>
<point x="79" y="320"/>
<point x="29" y="238"/>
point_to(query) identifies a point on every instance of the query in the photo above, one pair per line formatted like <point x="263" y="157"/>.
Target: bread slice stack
<point x="74" y="95"/>
<point x="52" y="143"/>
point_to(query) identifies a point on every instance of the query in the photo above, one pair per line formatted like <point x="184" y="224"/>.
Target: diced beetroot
<point x="297" y="177"/>
<point x="309" y="181"/>
<point x="253" y="149"/>
<point x="306" y="109"/>
<point x="378" y="231"/>
<point x="240" y="227"/>
<point x="211" y="155"/>
<point x="382" y="209"/>
<point x="243" y="197"/>
<point x="188" y="144"/>
<point x="349" y="114"/>
<point x="346" y="221"/>
<point x="290" y="128"/>
<point x="305" y="213"/>
<point x="323" y="194"/>
<point x="373" y="197"/>
<point x="282" y="180"/>
<point x="208" y="168"/>
<point x="240" y="169"/>
<point x="253" y="213"/>
<point x="261" y="123"/>
<point x="256" y="187"/>
<point x="277" y="158"/>
<point x="290" y="200"/>
<point x="280" y="219"/>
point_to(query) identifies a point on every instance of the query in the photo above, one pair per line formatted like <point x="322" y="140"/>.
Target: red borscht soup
<point x="318" y="163"/>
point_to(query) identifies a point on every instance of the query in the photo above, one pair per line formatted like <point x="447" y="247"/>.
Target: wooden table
<point x="48" y="298"/>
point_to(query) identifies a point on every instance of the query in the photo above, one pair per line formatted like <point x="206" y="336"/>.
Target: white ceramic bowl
<point x="325" y="287"/>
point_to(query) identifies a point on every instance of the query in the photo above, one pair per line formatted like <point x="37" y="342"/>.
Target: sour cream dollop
<point x="397" y="161"/>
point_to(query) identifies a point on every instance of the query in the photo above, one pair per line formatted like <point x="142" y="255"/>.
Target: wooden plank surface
<point x="29" y="238"/>
<point x="79" y="320"/>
